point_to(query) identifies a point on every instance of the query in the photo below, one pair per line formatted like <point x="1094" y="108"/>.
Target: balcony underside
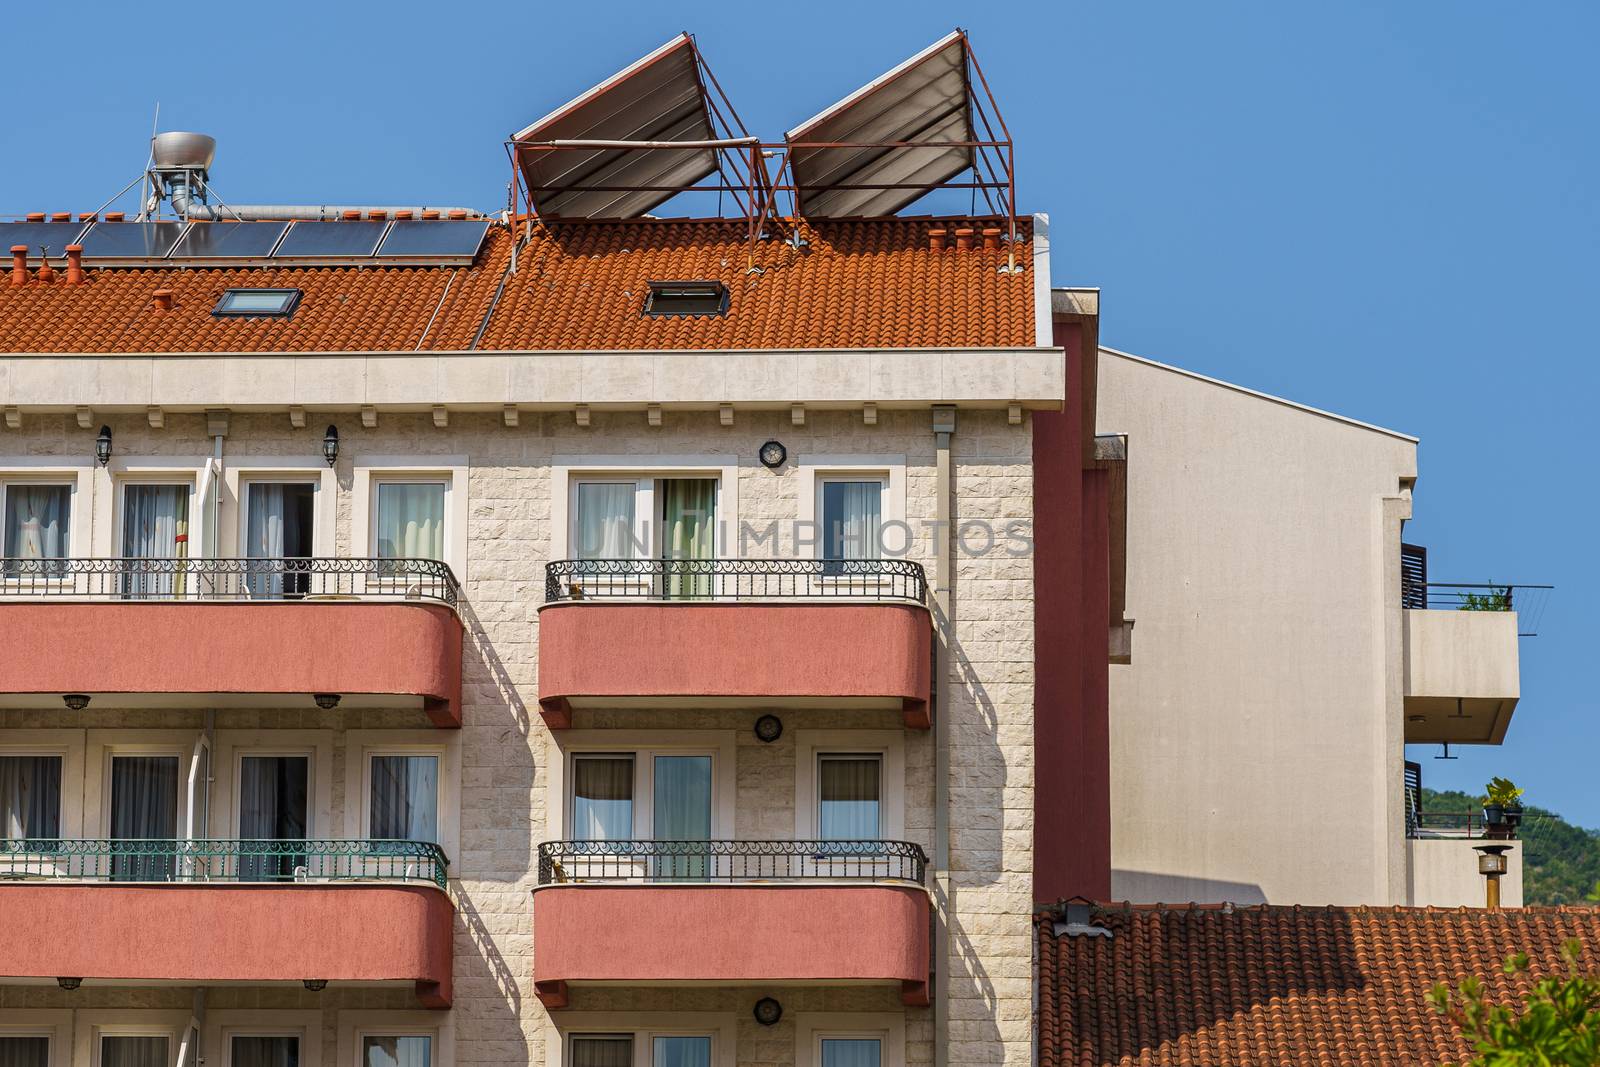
<point x="234" y="933"/>
<point x="730" y="935"/>
<point x="1462" y="675"/>
<point x="144" y="653"/>
<point x="665" y="655"/>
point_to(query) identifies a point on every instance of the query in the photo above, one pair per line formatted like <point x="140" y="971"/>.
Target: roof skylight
<point x="257" y="303"/>
<point x="686" y="298"/>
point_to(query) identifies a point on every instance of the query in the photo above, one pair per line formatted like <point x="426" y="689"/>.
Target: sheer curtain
<point x="689" y="517"/>
<point x="405" y="798"/>
<point x="414" y="1050"/>
<point x="410" y="520"/>
<point x="847" y="787"/>
<point x="852" y="520"/>
<point x="264" y="505"/>
<point x="144" y="806"/>
<point x="681" y="1052"/>
<point x="277" y="1050"/>
<point x="602" y="1050"/>
<point x="272" y="807"/>
<point x="24" y="1051"/>
<point x="30" y="797"/>
<point x="602" y="798"/>
<point x="127" y="1050"/>
<point x="852" y="1052"/>
<point x="38" y="519"/>
<point x="153" y="518"/>
<point x="604" y="522"/>
<point x="682" y="800"/>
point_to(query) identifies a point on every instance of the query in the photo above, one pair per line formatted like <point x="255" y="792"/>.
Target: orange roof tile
<point x="1230" y="987"/>
<point x="578" y="286"/>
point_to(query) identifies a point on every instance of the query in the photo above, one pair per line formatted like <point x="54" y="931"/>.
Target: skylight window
<point x="686" y="298"/>
<point x="257" y="303"/>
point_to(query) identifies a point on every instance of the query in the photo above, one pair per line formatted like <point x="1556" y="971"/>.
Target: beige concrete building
<point x="1280" y="664"/>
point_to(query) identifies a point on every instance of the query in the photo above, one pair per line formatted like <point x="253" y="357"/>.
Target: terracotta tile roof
<point x="578" y="286"/>
<point x="1227" y="987"/>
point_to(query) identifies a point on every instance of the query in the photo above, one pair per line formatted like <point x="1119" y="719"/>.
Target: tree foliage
<point x="1558" y="1024"/>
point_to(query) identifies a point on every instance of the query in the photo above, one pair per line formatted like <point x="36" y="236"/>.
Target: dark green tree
<point x="1558" y="1024"/>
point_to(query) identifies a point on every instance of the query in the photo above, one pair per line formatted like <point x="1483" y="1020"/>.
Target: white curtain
<point x="272" y="807"/>
<point x="852" y="520"/>
<point x="410" y="520"/>
<point x="153" y="517"/>
<point x="126" y="1050"/>
<point x="681" y="1052"/>
<point x="30" y="798"/>
<point x="264" y="536"/>
<point x="405" y="798"/>
<point x="414" y="1050"/>
<point x="144" y="806"/>
<point x="24" y="1051"/>
<point x="605" y="521"/>
<point x="602" y="1050"/>
<point x="848" y="792"/>
<point x="38" y="519"/>
<point x="852" y="1052"/>
<point x="266" y="1051"/>
<point x="602" y="798"/>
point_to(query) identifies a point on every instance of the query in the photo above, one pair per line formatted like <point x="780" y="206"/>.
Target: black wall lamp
<point x="773" y="454"/>
<point x="102" y="446"/>
<point x="768" y="1011"/>
<point x="768" y="729"/>
<point x="330" y="445"/>
<point x="326" y="701"/>
<point x="75" y="701"/>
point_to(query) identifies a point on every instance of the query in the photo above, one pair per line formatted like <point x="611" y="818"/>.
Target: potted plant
<point x="1503" y="805"/>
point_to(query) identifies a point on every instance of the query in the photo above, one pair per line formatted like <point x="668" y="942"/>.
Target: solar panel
<point x="229" y="240"/>
<point x="424" y="239"/>
<point x="331" y="240"/>
<point x="55" y="236"/>
<point x="131" y="240"/>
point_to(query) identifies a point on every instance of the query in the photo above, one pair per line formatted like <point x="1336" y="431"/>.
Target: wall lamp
<point x="316" y="985"/>
<point x="75" y="701"/>
<point x="69" y="984"/>
<point x="102" y="446"/>
<point x="326" y="701"/>
<point x="330" y="445"/>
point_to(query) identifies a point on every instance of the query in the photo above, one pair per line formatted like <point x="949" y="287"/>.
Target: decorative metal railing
<point x="229" y="579"/>
<point x="730" y="861"/>
<point x="206" y="860"/>
<point x="735" y="579"/>
<point x="1528" y="601"/>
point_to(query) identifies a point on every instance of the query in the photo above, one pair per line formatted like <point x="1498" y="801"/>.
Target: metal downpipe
<point x="944" y="427"/>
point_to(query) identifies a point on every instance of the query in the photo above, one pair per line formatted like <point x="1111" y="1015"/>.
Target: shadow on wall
<point x="1148" y="887"/>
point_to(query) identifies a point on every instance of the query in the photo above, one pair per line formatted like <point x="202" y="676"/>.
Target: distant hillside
<point x="1560" y="861"/>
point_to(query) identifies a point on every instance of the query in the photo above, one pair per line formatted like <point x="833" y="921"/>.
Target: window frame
<point x="361" y="745"/>
<point x="52" y="1024"/>
<point x="824" y="756"/>
<point x="814" y="470"/>
<point x="174" y="1036"/>
<point x="357" y="1025"/>
<point x="230" y="748"/>
<point x="888" y="745"/>
<point x="720" y="745"/>
<point x="224" y="308"/>
<point x="26" y="751"/>
<point x="819" y="484"/>
<point x="644" y="780"/>
<point x="223" y="1025"/>
<point x="114" y="750"/>
<point x="642" y="1027"/>
<point x="567" y="471"/>
<point x="714" y="289"/>
<point x="236" y="788"/>
<point x="812" y="1028"/>
<point x="183" y="477"/>
<point x="9" y="480"/>
<point x="373" y="471"/>
<point x="58" y="470"/>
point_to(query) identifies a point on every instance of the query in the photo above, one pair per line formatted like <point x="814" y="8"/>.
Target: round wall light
<point x="768" y="729"/>
<point x="773" y="454"/>
<point x="768" y="1011"/>
<point x="75" y="701"/>
<point x="315" y="985"/>
<point x="326" y="701"/>
<point x="69" y="984"/>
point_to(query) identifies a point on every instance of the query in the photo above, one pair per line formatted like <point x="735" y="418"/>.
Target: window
<point x="396" y="1050"/>
<point x="660" y="1050"/>
<point x="409" y="520"/>
<point x="849" y="795"/>
<point x="403" y="798"/>
<point x="680" y="1050"/>
<point x="602" y="797"/>
<point x="155" y="526"/>
<point x="680" y="518"/>
<point x="850" y="1051"/>
<point x="686" y="298"/>
<point x="278" y="526"/>
<point x="603" y="524"/>
<point x="30" y="799"/>
<point x="24" y="1050"/>
<point x="264" y="1050"/>
<point x="257" y="303"/>
<point x="144" y="807"/>
<point x="601" y="1050"/>
<point x="135" y="1050"/>
<point x="852" y="518"/>
<point x="38" y="522"/>
<point x="274" y="802"/>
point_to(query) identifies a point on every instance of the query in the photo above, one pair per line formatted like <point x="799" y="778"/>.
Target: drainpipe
<point x="944" y="426"/>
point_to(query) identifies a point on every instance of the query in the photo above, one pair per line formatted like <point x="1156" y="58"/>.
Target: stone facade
<point x="506" y="751"/>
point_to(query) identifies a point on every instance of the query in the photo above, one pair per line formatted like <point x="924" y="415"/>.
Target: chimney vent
<point x="61" y="216"/>
<point x="991" y="238"/>
<point x="35" y="216"/>
<point x="163" y="299"/>
<point x="19" y="264"/>
<point x="430" y="214"/>
<point x="963" y="238"/>
<point x="74" y="264"/>
<point x="114" y="216"/>
<point x="936" y="240"/>
<point x="47" y="273"/>
<point x="1492" y="864"/>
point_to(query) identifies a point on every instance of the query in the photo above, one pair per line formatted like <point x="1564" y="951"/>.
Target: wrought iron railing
<point x="229" y="579"/>
<point x="730" y="861"/>
<point x="206" y="860"/>
<point x="735" y="579"/>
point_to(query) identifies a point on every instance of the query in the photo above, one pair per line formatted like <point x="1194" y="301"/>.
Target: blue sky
<point x="1385" y="209"/>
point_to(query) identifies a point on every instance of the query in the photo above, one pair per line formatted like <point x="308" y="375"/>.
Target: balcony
<point x="195" y="912"/>
<point x="707" y="633"/>
<point x="1462" y="672"/>
<point x="274" y="633"/>
<point x="730" y="913"/>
